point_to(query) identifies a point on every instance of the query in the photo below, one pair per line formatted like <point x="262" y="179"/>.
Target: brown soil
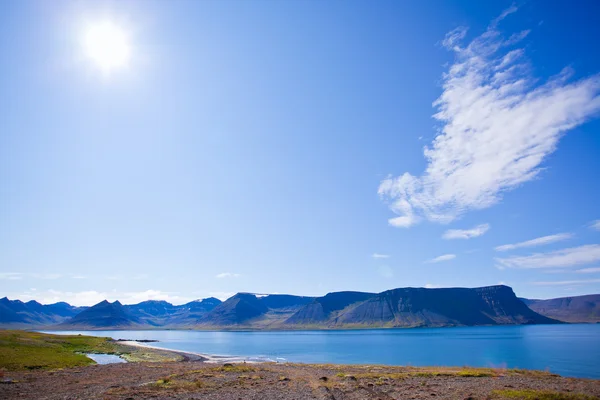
<point x="199" y="380"/>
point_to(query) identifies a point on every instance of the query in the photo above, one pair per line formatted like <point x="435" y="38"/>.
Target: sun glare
<point x="107" y="46"/>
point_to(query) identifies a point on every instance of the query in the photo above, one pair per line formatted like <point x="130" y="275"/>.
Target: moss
<point x="538" y="395"/>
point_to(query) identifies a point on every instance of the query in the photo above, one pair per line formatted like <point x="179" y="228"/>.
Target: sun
<point x="107" y="46"/>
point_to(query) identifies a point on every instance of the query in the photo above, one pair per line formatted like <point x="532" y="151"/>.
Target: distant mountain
<point x="569" y="309"/>
<point x="103" y="315"/>
<point x="403" y="307"/>
<point x="15" y="313"/>
<point x="258" y="311"/>
<point x="327" y="308"/>
<point x="161" y="313"/>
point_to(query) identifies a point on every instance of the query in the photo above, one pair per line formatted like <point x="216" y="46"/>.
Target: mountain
<point x="569" y="309"/>
<point x="15" y="313"/>
<point x="326" y="308"/>
<point x="402" y="307"/>
<point x="103" y="315"/>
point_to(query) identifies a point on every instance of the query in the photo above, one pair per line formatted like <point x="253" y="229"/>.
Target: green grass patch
<point x="539" y="395"/>
<point x="20" y="350"/>
<point x="241" y="368"/>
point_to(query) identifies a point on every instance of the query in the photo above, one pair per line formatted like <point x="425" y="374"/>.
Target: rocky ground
<point x="200" y="380"/>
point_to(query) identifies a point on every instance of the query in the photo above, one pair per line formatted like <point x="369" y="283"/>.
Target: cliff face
<point x="585" y="309"/>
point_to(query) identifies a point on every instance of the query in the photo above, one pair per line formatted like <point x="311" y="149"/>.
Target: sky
<point x="186" y="149"/>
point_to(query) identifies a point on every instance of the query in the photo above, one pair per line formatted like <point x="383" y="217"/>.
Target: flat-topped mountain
<point x="569" y="309"/>
<point x="402" y="307"/>
<point x="412" y="307"/>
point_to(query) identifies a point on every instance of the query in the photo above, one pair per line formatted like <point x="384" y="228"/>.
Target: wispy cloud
<point x="227" y="275"/>
<point x="377" y="255"/>
<point x="558" y="283"/>
<point x="555" y="259"/>
<point x="445" y="257"/>
<point x="11" y="276"/>
<point x="466" y="233"/>
<point x="595" y="225"/>
<point x="45" y="276"/>
<point x="498" y="124"/>
<point x="588" y="270"/>
<point x="431" y="286"/>
<point x="536" y="242"/>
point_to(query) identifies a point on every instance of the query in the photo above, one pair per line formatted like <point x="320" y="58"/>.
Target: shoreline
<point x="193" y="356"/>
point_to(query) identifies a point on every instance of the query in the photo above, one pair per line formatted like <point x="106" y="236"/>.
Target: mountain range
<point x="402" y="307"/>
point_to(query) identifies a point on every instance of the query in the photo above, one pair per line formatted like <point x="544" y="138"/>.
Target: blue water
<point x="106" y="358"/>
<point x="568" y="350"/>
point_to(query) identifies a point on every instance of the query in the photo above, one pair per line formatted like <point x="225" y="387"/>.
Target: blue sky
<point x="299" y="147"/>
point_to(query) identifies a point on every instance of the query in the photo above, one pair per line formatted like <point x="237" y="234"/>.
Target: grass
<point x="240" y="368"/>
<point x="22" y="350"/>
<point x="539" y="395"/>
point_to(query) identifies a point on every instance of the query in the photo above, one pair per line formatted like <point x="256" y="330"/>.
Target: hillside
<point x="585" y="309"/>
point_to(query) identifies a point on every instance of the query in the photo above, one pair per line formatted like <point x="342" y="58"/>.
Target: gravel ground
<point x="199" y="380"/>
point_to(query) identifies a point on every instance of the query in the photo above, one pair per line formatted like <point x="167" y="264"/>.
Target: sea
<point x="571" y="350"/>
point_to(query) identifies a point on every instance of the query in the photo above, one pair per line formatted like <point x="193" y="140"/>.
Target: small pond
<point x="106" y="358"/>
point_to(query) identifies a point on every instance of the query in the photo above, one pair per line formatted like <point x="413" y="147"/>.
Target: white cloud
<point x="91" y="297"/>
<point x="498" y="124"/>
<point x="595" y="225"/>
<point x="466" y="233"/>
<point x="431" y="286"/>
<point x="445" y="257"/>
<point x="377" y="255"/>
<point x="588" y="270"/>
<point x="557" y="283"/>
<point x="536" y="242"/>
<point x="555" y="259"/>
<point x="227" y="275"/>
<point x="385" y="271"/>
